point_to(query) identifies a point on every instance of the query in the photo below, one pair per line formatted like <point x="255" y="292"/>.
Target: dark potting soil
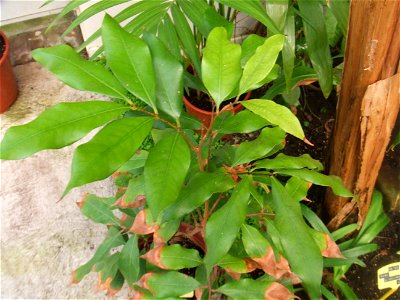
<point x="2" y="46"/>
<point x="364" y="280"/>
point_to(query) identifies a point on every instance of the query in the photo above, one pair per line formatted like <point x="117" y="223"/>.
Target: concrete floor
<point x="42" y="241"/>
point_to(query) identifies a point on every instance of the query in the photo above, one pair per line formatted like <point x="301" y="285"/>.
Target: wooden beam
<point x="372" y="54"/>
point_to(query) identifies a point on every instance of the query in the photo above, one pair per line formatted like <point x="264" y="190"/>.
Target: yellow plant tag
<point x="389" y="276"/>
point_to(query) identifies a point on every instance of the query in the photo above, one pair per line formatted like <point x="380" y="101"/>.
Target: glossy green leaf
<point x="73" y="4"/>
<point x="168" y="229"/>
<point x="313" y="219"/>
<point x="249" y="47"/>
<point x="198" y="190"/>
<point x="374" y="211"/>
<point x="254" y="9"/>
<point x="97" y="210"/>
<point x="254" y="242"/>
<point x="373" y="230"/>
<point x="317" y="42"/>
<point x="301" y="76"/>
<point x="129" y="261"/>
<point x="176" y="257"/>
<point x="171" y="284"/>
<point x="186" y="37"/>
<point x="261" y="63"/>
<point x="242" y="122"/>
<point x="298" y="245"/>
<point x="283" y="161"/>
<point x="165" y="171"/>
<point x="276" y="114"/>
<point x="269" y="141"/>
<point x="57" y="127"/>
<point x="130" y="60"/>
<point x="136" y="162"/>
<point x="328" y="294"/>
<point x="108" y="267"/>
<point x="224" y="224"/>
<point x="167" y="34"/>
<point x="232" y="263"/>
<point x="169" y="77"/>
<point x="245" y="289"/>
<point x="334" y="182"/>
<point x="108" y="150"/>
<point x="297" y="188"/>
<point x="83" y="75"/>
<point x="220" y="66"/>
<point x="135" y="188"/>
<point x="113" y="239"/>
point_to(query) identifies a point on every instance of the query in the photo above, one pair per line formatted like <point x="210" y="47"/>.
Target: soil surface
<point x="2" y="46"/>
<point x="364" y="280"/>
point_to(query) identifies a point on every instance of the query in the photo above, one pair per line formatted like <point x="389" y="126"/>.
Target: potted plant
<point x="9" y="89"/>
<point x="192" y="214"/>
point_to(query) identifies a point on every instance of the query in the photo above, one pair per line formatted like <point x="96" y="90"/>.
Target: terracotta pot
<point x="8" y="83"/>
<point x="205" y="116"/>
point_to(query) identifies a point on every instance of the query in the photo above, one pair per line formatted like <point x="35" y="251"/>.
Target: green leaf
<point x="167" y="34"/>
<point x="130" y="60"/>
<point x="80" y="74"/>
<point x="254" y="242"/>
<point x="176" y="257"/>
<point x="113" y="239"/>
<point x="242" y="122"/>
<point x="136" y="162"/>
<point x="220" y="66"/>
<point x="94" y="9"/>
<point x="288" y="51"/>
<point x="57" y="127"/>
<point x="374" y="211"/>
<point x="232" y="263"/>
<point x="276" y="114"/>
<point x="129" y="261"/>
<point x="298" y="245"/>
<point x="108" y="150"/>
<point x="245" y="289"/>
<point x="198" y="190"/>
<point x="334" y="182"/>
<point x="223" y="225"/>
<point x="341" y="9"/>
<point x="327" y="294"/>
<point x="73" y="4"/>
<point x="98" y="210"/>
<point x="171" y="284"/>
<point x="107" y="267"/>
<point x="297" y="188"/>
<point x="249" y="47"/>
<point x="317" y="42"/>
<point x="255" y="10"/>
<point x="343" y="231"/>
<point x="169" y="77"/>
<point x="314" y="220"/>
<point x="283" y="161"/>
<point x="135" y="189"/>
<point x="269" y="141"/>
<point x="186" y="37"/>
<point x="301" y="75"/>
<point x="165" y="171"/>
<point x="345" y="289"/>
<point x="261" y="63"/>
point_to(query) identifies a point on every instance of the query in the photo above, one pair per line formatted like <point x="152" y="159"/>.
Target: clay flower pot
<point x="8" y="83"/>
<point x="205" y="116"/>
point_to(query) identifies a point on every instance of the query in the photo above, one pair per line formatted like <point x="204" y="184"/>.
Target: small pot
<point x="205" y="116"/>
<point x="8" y="83"/>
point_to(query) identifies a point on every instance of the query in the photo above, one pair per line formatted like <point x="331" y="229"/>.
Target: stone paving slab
<point x="43" y="241"/>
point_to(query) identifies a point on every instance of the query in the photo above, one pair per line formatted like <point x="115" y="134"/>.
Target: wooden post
<point x="366" y="113"/>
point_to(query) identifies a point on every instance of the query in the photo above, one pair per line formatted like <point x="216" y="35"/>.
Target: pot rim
<point x="7" y="44"/>
<point x="206" y="112"/>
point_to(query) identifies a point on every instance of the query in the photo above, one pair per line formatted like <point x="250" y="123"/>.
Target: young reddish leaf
<point x="278" y="269"/>
<point x="332" y="249"/>
<point x="277" y="291"/>
<point x="140" y="225"/>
